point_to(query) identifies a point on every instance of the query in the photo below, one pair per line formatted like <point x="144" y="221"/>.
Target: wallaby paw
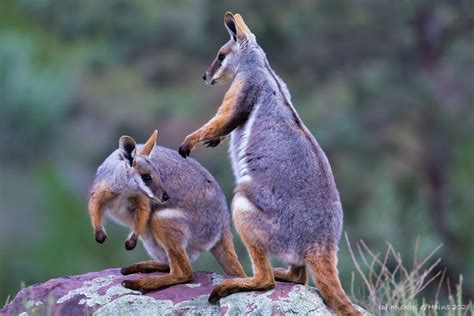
<point x="212" y="142"/>
<point x="126" y="271"/>
<point x="130" y="243"/>
<point x="184" y="150"/>
<point x="133" y="285"/>
<point x="215" y="296"/>
<point x="100" y="236"/>
<point x="219" y="292"/>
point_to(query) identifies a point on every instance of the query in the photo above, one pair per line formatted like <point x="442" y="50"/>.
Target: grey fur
<point x="192" y="191"/>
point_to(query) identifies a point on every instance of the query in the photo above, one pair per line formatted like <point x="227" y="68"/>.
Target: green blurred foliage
<point x="386" y="87"/>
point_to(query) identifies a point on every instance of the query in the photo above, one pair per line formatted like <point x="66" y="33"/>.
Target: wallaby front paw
<point x="100" y="236"/>
<point x="126" y="271"/>
<point x="212" y="142"/>
<point x="130" y="243"/>
<point x="184" y="150"/>
<point x="133" y="285"/>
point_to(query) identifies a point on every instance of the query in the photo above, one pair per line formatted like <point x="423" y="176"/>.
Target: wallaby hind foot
<point x="262" y="281"/>
<point x="262" y="269"/>
<point x="294" y="274"/>
<point x="145" y="267"/>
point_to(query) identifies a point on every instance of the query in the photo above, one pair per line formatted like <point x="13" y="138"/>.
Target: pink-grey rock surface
<point x="100" y="293"/>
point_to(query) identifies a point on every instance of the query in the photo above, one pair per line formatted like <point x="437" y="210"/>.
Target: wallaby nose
<point x="204" y="77"/>
<point x="165" y="197"/>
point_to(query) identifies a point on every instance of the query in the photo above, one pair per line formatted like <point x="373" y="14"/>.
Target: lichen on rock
<point x="92" y="296"/>
<point x="101" y="293"/>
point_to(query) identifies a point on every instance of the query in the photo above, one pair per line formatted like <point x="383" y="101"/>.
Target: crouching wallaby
<point x="286" y="202"/>
<point x="174" y="205"/>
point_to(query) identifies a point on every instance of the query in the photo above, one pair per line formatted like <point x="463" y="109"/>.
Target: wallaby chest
<point x="121" y="210"/>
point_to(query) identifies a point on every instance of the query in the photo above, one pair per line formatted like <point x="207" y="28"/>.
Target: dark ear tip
<point x="126" y="140"/>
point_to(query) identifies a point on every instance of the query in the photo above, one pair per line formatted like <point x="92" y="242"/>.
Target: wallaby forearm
<point x="97" y="199"/>
<point x="228" y="117"/>
<point x="213" y="129"/>
<point x="142" y="215"/>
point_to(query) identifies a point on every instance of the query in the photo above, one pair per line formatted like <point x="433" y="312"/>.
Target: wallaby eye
<point x="220" y="57"/>
<point x="146" y="178"/>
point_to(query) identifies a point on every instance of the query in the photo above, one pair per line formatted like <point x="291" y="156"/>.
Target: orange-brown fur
<point x="293" y="274"/>
<point x="263" y="276"/>
<point x="97" y="199"/>
<point x="142" y="215"/>
<point x="167" y="231"/>
<point x="145" y="267"/>
<point x="324" y="267"/>
<point x="172" y="238"/>
<point x="225" y="255"/>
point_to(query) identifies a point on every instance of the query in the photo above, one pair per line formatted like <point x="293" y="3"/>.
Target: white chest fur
<point x="238" y="149"/>
<point x="120" y="210"/>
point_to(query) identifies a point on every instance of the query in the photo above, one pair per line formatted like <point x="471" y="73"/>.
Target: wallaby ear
<point x="149" y="145"/>
<point x="243" y="30"/>
<point x="128" y="146"/>
<point x="236" y="26"/>
<point x="229" y="23"/>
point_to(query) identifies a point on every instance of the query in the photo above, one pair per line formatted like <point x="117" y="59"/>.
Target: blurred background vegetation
<point x="385" y="86"/>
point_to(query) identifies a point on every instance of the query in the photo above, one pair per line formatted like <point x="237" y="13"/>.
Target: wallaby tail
<point x="325" y="275"/>
<point x="225" y="254"/>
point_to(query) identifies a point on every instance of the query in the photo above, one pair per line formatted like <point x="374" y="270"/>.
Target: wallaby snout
<point x="208" y="77"/>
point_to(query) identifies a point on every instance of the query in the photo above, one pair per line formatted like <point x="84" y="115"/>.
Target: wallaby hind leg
<point x="263" y="275"/>
<point x="293" y="274"/>
<point x="224" y="252"/>
<point x="324" y="267"/>
<point x="142" y="215"/>
<point x="172" y="239"/>
<point x="145" y="267"/>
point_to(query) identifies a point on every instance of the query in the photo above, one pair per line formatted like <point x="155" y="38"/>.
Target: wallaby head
<point x="239" y="52"/>
<point x="144" y="173"/>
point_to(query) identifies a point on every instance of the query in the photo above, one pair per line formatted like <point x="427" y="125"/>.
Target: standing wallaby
<point x="174" y="205"/>
<point x="286" y="202"/>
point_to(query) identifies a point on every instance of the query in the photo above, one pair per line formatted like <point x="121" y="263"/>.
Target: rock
<point x="100" y="293"/>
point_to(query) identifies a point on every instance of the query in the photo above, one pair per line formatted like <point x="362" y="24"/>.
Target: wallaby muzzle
<point x="208" y="78"/>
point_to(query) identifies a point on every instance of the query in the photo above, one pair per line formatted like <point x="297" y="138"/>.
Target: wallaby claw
<point x="100" y="236"/>
<point x="214" y="297"/>
<point x="130" y="243"/>
<point x="184" y="150"/>
<point x="217" y="293"/>
<point x="125" y="271"/>
<point x="213" y="142"/>
<point x="133" y="285"/>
